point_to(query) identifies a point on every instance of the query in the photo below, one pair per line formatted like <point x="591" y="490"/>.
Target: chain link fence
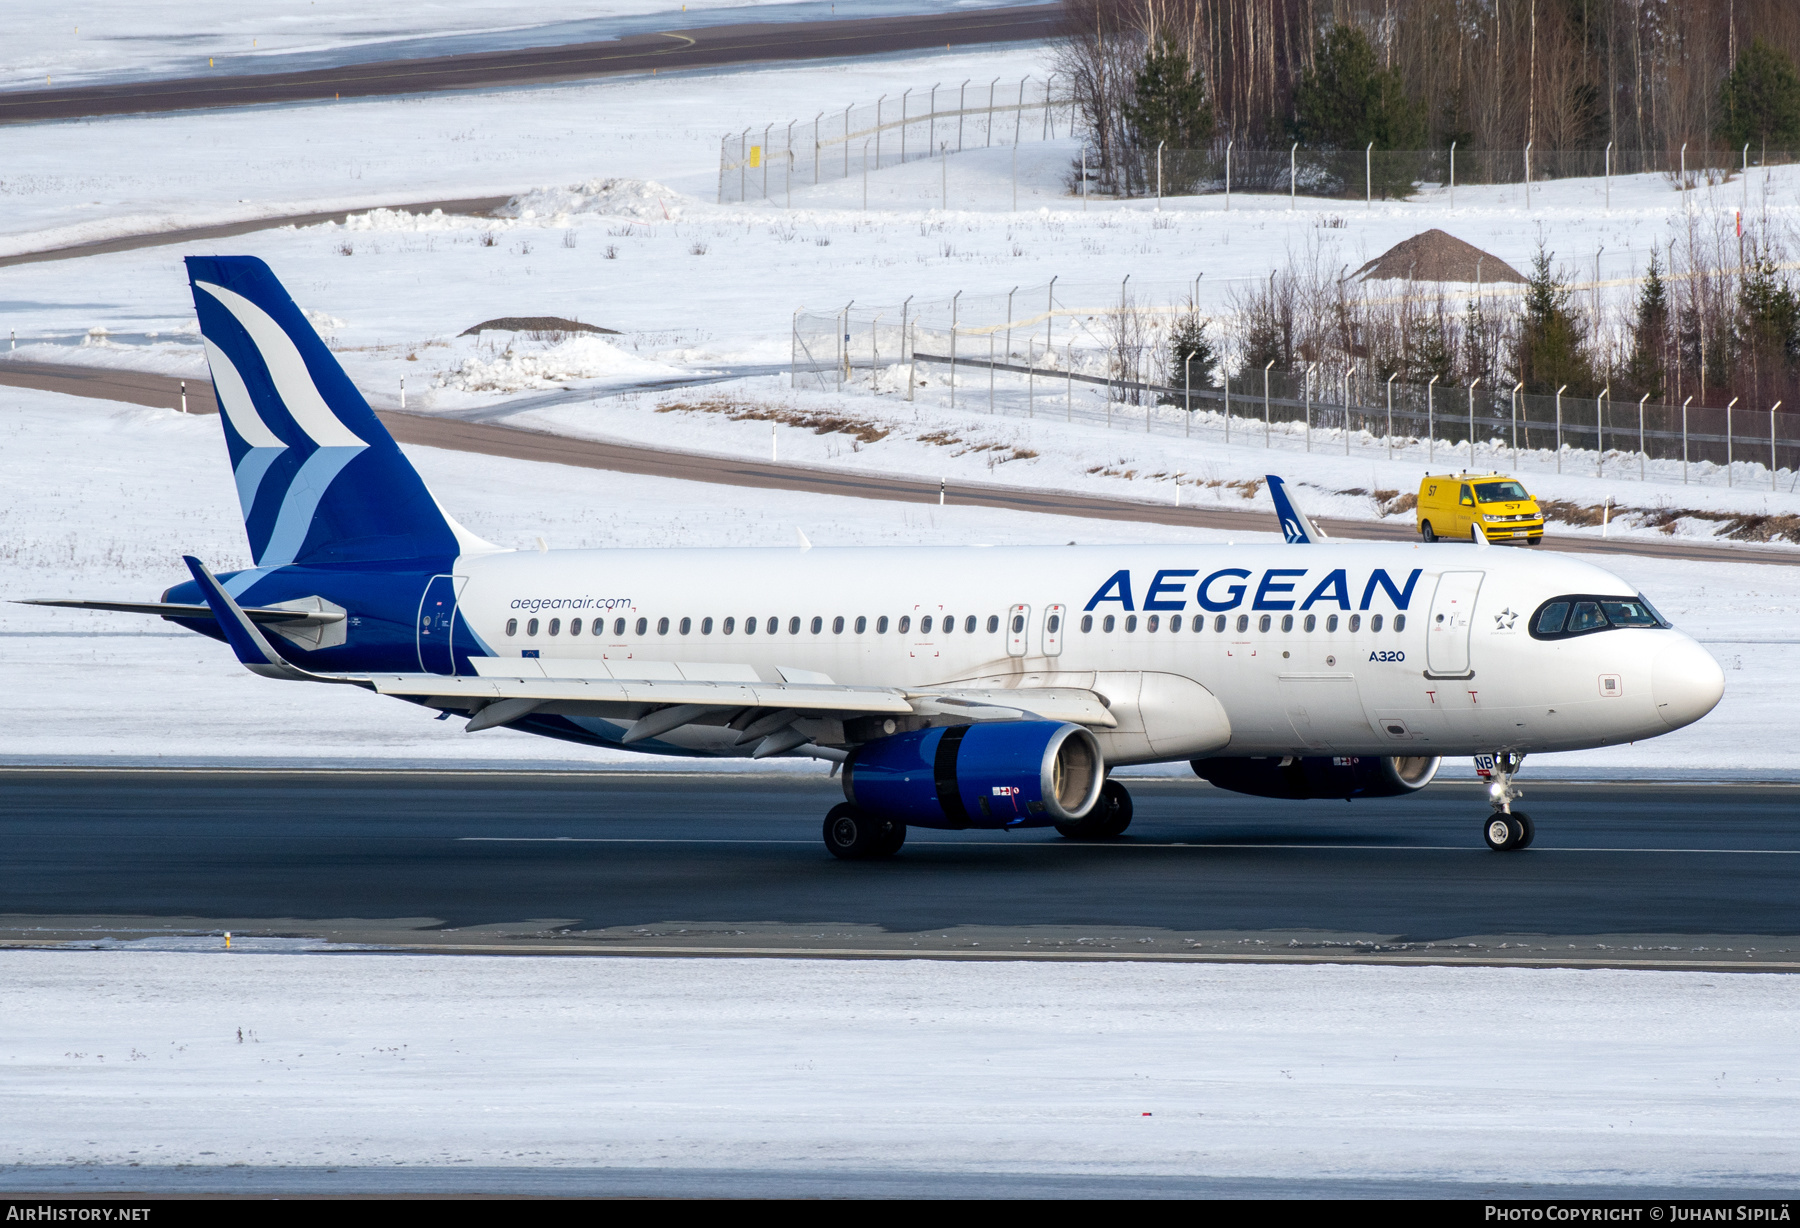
<point x="1062" y="352"/>
<point x="917" y="124"/>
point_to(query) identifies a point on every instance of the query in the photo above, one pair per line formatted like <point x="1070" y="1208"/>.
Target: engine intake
<point x="993" y="774"/>
<point x="1298" y="777"/>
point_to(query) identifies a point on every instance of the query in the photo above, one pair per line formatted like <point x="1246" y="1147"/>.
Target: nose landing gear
<point x="1507" y="830"/>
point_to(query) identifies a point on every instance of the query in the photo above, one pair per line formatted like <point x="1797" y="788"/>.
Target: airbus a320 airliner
<point x="957" y="687"/>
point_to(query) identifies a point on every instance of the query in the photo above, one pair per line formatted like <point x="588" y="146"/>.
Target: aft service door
<point x="1451" y="621"/>
<point x="435" y="625"/>
<point x="1018" y="630"/>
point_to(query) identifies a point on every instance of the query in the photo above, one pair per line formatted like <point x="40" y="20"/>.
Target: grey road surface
<point x="493" y="439"/>
<point x="645" y="52"/>
<point x="1635" y="875"/>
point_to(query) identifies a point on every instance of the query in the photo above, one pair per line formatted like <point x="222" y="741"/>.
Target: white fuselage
<point x="1437" y="663"/>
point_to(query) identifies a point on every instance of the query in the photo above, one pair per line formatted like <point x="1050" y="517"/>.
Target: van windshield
<point x="1500" y="492"/>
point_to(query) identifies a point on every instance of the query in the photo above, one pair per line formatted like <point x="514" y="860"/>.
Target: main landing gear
<point x="1109" y="818"/>
<point x="1506" y="830"/>
<point x="855" y="836"/>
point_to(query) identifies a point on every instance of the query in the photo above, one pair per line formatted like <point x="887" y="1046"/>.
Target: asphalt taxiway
<point x="632" y="862"/>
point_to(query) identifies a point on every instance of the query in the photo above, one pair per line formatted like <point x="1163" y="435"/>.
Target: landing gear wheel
<point x="1108" y="819"/>
<point x="1426" y="531"/>
<point x="1500" y="834"/>
<point x="853" y="835"/>
<point x="1524" y="831"/>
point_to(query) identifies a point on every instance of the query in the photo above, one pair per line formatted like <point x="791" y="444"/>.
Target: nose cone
<point x="1685" y="682"/>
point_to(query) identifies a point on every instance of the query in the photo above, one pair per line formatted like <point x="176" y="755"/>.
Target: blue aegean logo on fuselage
<point x="1278" y="589"/>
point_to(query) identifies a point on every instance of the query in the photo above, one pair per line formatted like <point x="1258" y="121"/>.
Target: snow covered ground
<point x="102" y="499"/>
<point x="1492" y="1075"/>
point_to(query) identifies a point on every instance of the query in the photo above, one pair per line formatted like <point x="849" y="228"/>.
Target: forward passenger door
<point x="1452" y="620"/>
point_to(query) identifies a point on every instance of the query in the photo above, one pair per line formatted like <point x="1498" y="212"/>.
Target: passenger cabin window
<point x="1018" y="623"/>
<point x="618" y="626"/>
<point x="862" y="624"/>
<point x="512" y="626"/>
<point x="643" y="626"/>
<point x="1262" y="624"/>
<point x="1219" y="623"/>
<point x="1355" y="622"/>
<point x="687" y="625"/>
<point x="925" y="625"/>
<point x="662" y="626"/>
<point x="574" y="626"/>
<point x="837" y="625"/>
<point x="1243" y="623"/>
<point x="1153" y="622"/>
<point x="881" y="624"/>
<point x="1130" y="622"/>
<point x="1106" y="624"/>
<point x="774" y="625"/>
<point x="728" y="626"/>
<point x="706" y="626"/>
<point x="793" y="626"/>
<point x="818" y="624"/>
<point x="1287" y="622"/>
<point x="994" y="624"/>
<point x="1311" y="622"/>
<point x="531" y="627"/>
<point x="949" y="624"/>
<point x="556" y="626"/>
<point x="749" y="626"/>
<point x="1055" y="623"/>
<point x="969" y="625"/>
<point x="1330" y="623"/>
<point x="1087" y="623"/>
<point x="1374" y="622"/>
<point x="1579" y="614"/>
<point x="1399" y="622"/>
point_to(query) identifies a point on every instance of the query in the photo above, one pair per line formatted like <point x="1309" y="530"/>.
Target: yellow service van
<point x="1452" y="504"/>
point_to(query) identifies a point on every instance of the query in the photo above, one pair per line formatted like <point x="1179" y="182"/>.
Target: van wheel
<point x="1426" y="531"/>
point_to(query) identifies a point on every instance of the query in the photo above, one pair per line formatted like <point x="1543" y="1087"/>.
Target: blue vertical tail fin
<point x="319" y="478"/>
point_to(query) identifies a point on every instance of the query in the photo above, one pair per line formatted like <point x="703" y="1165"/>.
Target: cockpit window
<point x="1561" y="617"/>
<point x="1586" y="617"/>
<point x="1500" y="492"/>
<point x="1628" y="614"/>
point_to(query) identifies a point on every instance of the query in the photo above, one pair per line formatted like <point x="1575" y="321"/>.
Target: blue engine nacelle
<point x="994" y="774"/>
<point x="1296" y="777"/>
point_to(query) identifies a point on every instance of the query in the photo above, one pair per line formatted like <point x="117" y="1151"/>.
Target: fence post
<point x="1009" y="320"/>
<point x="1031" y="377"/>
<point x="1744" y="175"/>
<point x="1453" y="174"/>
<point x="1187" y="391"/>
<point x="1293" y="174"/>
<point x="953" y="308"/>
<point x="1015" y="177"/>
<point x="1515" y="421"/>
<point x="1643" y="456"/>
<point x="990" y="115"/>
<point x="1084" y="177"/>
<point x="944" y="174"/>
<point x="1683" y="181"/>
<point x="911" y="343"/>
<point x="721" y="196"/>
<point x="1159" y="149"/>
<point x="1306" y="399"/>
<point x="1729" y="477"/>
<point x="1559" y="393"/>
<point x="1050" y="316"/>
<point x="990" y="373"/>
<point x="1045" y="134"/>
<point x="847" y="110"/>
<point x="743" y="166"/>
<point x="1369" y="175"/>
<point x="1069" y="390"/>
<point x="767" y="128"/>
<point x="1609" y="146"/>
<point x="1228" y="145"/>
<point x="1684" y="437"/>
<point x="794" y="350"/>
<point x="1528" y="176"/>
<point x="1477" y="380"/>
<point x="1349" y="394"/>
<point x="1019" y="115"/>
<point x="1772" y="410"/>
<point x="1390" y="413"/>
<point x="962" y="92"/>
<point x="1431" y="420"/>
<point x="818" y="149"/>
<point x="1227" y="405"/>
<point x="1266" y="367"/>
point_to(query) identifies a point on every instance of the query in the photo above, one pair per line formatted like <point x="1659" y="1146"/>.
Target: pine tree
<point x="1759" y="102"/>
<point x="1345" y="100"/>
<point x="1478" y="348"/>
<point x="1169" y="103"/>
<point x="1193" y="357"/>
<point x="1552" y="340"/>
<point x="1436" y="352"/>
<point x="1767" y="332"/>
<point x="1643" y="371"/>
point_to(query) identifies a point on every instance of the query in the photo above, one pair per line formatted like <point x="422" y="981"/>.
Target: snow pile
<point x="644" y="199"/>
<point x="1255" y="1071"/>
<point x="527" y="365"/>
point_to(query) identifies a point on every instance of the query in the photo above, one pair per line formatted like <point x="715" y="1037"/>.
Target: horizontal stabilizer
<point x="252" y="647"/>
<point x="176" y="609"/>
